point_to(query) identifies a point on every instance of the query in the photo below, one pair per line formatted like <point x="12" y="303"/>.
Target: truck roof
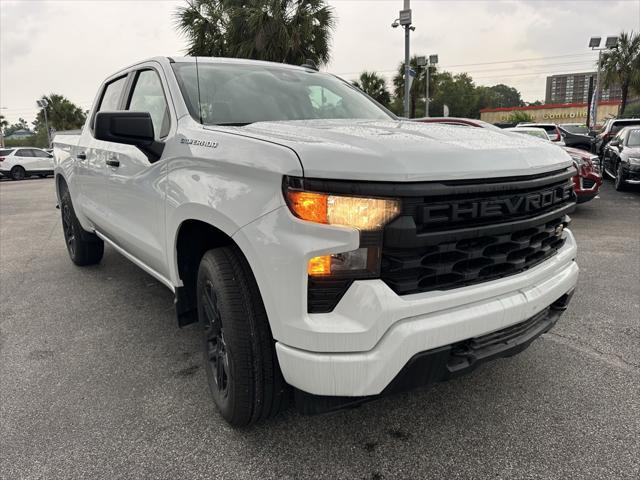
<point x="227" y="60"/>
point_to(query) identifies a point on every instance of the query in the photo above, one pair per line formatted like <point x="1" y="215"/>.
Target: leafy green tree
<point x="458" y="92"/>
<point x="633" y="110"/>
<point x="518" y="116"/>
<point x="287" y="31"/>
<point x="3" y="123"/>
<point x="21" y="125"/>
<point x="375" y="86"/>
<point x="505" y="96"/>
<point x="621" y="65"/>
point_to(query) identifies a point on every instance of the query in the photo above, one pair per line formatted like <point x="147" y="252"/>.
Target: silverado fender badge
<point x="199" y="143"/>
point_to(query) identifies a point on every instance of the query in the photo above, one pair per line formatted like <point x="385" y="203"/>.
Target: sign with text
<point x="405" y="17"/>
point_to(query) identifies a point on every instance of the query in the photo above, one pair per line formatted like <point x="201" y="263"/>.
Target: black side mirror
<point x="130" y="128"/>
<point x="615" y="142"/>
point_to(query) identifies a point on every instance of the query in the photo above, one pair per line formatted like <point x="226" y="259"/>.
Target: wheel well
<point x="194" y="239"/>
<point x="61" y="185"/>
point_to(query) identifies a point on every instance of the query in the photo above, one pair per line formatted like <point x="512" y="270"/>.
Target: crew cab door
<point x="136" y="195"/>
<point x="91" y="156"/>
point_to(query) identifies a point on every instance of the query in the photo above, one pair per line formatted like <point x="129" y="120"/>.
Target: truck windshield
<point x="239" y="94"/>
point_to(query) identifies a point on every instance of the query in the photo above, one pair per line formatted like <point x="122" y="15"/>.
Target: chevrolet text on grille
<point x="525" y="203"/>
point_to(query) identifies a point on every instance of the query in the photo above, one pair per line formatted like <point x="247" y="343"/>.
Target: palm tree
<point x="621" y="65"/>
<point x="375" y="86"/>
<point x="62" y="114"/>
<point x="288" y="31"/>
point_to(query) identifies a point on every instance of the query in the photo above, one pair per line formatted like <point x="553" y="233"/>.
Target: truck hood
<point x="407" y="151"/>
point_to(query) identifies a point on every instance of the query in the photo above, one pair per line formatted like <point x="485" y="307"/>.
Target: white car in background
<point x="531" y="131"/>
<point x="23" y="162"/>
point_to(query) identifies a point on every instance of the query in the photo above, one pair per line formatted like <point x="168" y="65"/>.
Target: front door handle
<point x="81" y="156"/>
<point x="113" y="162"/>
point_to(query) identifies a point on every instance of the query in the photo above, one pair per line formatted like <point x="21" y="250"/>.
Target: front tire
<point x="18" y="173"/>
<point x="620" y="181"/>
<point x="84" y="248"/>
<point x="240" y="360"/>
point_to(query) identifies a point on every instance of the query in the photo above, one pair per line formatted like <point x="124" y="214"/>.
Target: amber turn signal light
<point x="319" y="266"/>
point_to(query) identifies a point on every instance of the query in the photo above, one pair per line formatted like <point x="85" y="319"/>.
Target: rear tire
<point x="239" y="352"/>
<point x="84" y="248"/>
<point x="18" y="173"/>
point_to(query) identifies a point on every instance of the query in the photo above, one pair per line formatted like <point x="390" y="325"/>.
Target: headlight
<point x="634" y="160"/>
<point x="365" y="214"/>
<point x="368" y="215"/>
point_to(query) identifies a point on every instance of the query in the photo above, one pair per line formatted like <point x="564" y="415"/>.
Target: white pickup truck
<point x="331" y="252"/>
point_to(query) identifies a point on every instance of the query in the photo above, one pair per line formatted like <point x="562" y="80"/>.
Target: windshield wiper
<point x="232" y="124"/>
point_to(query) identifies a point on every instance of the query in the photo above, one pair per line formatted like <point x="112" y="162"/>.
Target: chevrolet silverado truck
<point x="330" y="252"/>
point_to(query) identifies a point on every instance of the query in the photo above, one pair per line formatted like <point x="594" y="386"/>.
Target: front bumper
<point x="359" y="348"/>
<point x="586" y="185"/>
<point x="632" y="172"/>
<point x="445" y="363"/>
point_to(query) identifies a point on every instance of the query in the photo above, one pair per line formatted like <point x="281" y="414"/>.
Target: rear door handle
<point x="81" y="156"/>
<point x="113" y="162"/>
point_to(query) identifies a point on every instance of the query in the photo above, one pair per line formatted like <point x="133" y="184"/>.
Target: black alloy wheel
<point x="215" y="346"/>
<point x="68" y="229"/>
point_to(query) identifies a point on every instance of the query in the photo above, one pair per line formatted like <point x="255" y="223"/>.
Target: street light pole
<point x="594" y="44"/>
<point x="404" y="19"/>
<point x="44" y="104"/>
<point x="426" y="93"/>
<point x="407" y="60"/>
<point x="597" y="95"/>
<point x="2" y="131"/>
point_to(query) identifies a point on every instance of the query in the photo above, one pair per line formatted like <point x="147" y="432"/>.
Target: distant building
<point x="554" y="113"/>
<point x="20" y="134"/>
<point x="574" y="88"/>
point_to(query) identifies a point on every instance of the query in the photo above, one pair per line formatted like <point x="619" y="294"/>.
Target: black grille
<point x="456" y="251"/>
<point x="588" y="183"/>
<point x="467" y="261"/>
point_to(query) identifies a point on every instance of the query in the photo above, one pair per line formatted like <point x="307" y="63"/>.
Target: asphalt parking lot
<point x="96" y="380"/>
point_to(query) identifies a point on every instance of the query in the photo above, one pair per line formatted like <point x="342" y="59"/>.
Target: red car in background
<point x="468" y="122"/>
<point x="586" y="182"/>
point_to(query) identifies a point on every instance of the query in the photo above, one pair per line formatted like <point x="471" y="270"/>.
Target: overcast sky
<point x="69" y="46"/>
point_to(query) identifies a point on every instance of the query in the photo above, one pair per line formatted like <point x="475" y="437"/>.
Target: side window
<point x="25" y="152"/>
<point x="148" y="96"/>
<point x="39" y="153"/>
<point x="111" y="96"/>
